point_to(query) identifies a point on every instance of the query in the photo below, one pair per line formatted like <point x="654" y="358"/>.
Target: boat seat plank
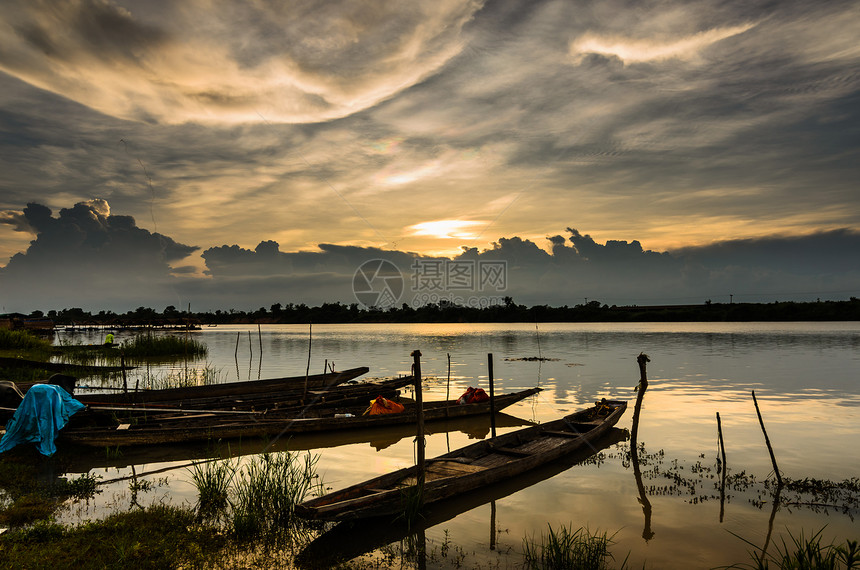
<point x="560" y="433"/>
<point x="511" y="451"/>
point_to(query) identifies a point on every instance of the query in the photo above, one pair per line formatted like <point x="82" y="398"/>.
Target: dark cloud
<point x="85" y="255"/>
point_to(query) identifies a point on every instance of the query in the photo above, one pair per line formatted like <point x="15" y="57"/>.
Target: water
<point x="805" y="376"/>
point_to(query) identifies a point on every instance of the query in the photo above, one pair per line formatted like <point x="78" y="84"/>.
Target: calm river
<point x="805" y="376"/>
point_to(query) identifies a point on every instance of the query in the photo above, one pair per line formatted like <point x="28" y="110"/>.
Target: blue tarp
<point x="39" y="418"/>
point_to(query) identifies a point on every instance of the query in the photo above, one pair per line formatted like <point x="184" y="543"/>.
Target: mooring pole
<point x="122" y="367"/>
<point x="236" y="352"/>
<point x="723" y="472"/>
<point x="308" y="369"/>
<point x="419" y="408"/>
<point x="767" y="441"/>
<point x="643" y="361"/>
<point x="492" y="395"/>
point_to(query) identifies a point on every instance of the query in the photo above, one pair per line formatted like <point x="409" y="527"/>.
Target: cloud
<point x="88" y="255"/>
<point x="226" y="62"/>
<point x="631" y="50"/>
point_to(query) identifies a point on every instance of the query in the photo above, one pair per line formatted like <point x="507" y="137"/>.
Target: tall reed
<point x="563" y="549"/>
<point x="802" y="553"/>
<point x="267" y="491"/>
<point x="22" y="340"/>
<point x="257" y="500"/>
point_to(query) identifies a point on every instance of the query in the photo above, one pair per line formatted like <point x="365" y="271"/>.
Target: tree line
<point x="509" y="311"/>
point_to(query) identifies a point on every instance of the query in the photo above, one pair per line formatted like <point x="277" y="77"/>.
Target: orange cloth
<point x="383" y="406"/>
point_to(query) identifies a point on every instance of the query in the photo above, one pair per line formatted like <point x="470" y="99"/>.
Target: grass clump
<point x="802" y="553"/>
<point x="257" y="501"/>
<point x="563" y="549"/>
<point x="157" y="537"/>
<point x="149" y="345"/>
<point x="213" y="480"/>
<point x="22" y="340"/>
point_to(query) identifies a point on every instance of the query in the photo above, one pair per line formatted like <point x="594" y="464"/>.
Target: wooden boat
<point x="468" y="468"/>
<point x="351" y="538"/>
<point x="80" y="369"/>
<point x="211" y="426"/>
<point x="228" y="389"/>
<point x="287" y="401"/>
<point x="83" y="459"/>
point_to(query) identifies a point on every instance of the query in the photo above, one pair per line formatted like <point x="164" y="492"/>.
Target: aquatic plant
<point x="22" y="340"/>
<point x="266" y="492"/>
<point x="563" y="549"/>
<point x="804" y="553"/>
<point x="213" y="480"/>
<point x="150" y="345"/>
<point x="159" y="536"/>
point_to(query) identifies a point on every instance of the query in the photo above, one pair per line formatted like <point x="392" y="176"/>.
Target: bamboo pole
<point x="236" y="352"/>
<point x="724" y="468"/>
<point x="767" y="441"/>
<point x="419" y="408"/>
<point x="308" y="369"/>
<point x="122" y="366"/>
<point x="492" y="395"/>
<point x="260" y="336"/>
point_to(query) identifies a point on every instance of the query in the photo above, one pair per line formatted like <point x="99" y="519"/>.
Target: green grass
<point x="157" y="537"/>
<point x="563" y="549"/>
<point x="22" y="340"/>
<point x="257" y="500"/>
<point x="149" y="345"/>
<point x="802" y="553"/>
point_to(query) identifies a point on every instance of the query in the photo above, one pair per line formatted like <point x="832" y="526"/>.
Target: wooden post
<point x="250" y="350"/>
<point x="492" y="395"/>
<point x="236" y="352"/>
<point x="448" y="386"/>
<point x="122" y="367"/>
<point x="767" y="442"/>
<point x="492" y="525"/>
<point x="308" y="369"/>
<point x="260" y="336"/>
<point x="419" y="408"/>
<point x="724" y="468"/>
<point x="642" y="360"/>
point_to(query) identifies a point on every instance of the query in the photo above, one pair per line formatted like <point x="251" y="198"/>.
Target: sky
<point x="224" y="154"/>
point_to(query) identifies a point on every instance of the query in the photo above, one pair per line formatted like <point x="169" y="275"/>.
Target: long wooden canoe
<point x="342" y="395"/>
<point x="84" y="459"/>
<point x="351" y="538"/>
<point x="211" y="426"/>
<point x="229" y="389"/>
<point x="468" y="468"/>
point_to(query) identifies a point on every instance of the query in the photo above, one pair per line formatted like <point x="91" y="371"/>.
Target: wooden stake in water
<point x="492" y="394"/>
<point x="308" y="369"/>
<point x="419" y="408"/>
<point x="260" y="336"/>
<point x="236" y="352"/>
<point x="767" y="441"/>
<point x="642" y="360"/>
<point x="723" y="478"/>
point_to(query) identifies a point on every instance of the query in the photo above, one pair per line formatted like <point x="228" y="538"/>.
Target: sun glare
<point x="446" y="229"/>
